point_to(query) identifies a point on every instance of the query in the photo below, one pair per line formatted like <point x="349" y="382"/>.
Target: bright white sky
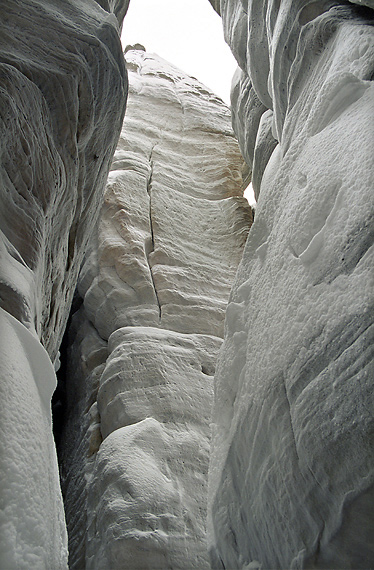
<point x="188" y="34"/>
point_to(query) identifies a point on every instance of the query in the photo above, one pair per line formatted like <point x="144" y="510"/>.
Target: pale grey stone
<point x="155" y="284"/>
<point x="62" y="99"/>
<point x="291" y="472"/>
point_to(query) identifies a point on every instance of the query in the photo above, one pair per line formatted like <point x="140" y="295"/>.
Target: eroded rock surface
<point x="62" y="100"/>
<point x="62" y="109"/>
<point x="291" y="476"/>
<point x="143" y="346"/>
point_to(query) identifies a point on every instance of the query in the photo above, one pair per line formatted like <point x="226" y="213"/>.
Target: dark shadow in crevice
<point x="59" y="396"/>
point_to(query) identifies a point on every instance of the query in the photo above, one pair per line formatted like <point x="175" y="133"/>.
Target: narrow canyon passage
<point x="216" y="401"/>
<point x="142" y="347"/>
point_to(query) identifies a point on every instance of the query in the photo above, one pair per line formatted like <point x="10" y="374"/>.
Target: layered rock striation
<point x="143" y="345"/>
<point x="62" y="100"/>
<point x="291" y="475"/>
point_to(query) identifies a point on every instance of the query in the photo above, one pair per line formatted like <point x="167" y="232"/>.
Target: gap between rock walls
<point x="139" y="353"/>
<point x="204" y="343"/>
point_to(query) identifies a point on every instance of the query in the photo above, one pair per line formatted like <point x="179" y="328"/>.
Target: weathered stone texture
<point x="155" y="285"/>
<point x="62" y="98"/>
<point x="291" y="473"/>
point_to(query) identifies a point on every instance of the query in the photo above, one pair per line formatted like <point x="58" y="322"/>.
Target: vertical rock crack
<point x="151" y="246"/>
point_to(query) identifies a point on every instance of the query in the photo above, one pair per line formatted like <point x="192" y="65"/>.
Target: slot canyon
<point x="186" y="382"/>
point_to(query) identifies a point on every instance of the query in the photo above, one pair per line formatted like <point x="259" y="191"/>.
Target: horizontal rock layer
<point x="155" y="285"/>
<point x="173" y="213"/>
<point x="291" y="473"/>
<point x="136" y="448"/>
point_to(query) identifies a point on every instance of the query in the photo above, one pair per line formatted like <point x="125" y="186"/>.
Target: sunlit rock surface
<point x="291" y="475"/>
<point x="143" y="346"/>
<point x="62" y="99"/>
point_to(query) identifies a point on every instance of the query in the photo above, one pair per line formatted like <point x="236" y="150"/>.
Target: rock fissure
<point x="152" y="395"/>
<point x="151" y="249"/>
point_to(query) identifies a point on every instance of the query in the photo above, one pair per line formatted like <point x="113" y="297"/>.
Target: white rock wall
<point x="62" y="98"/>
<point x="33" y="532"/>
<point x="60" y="91"/>
<point x="291" y="472"/>
<point x="143" y="347"/>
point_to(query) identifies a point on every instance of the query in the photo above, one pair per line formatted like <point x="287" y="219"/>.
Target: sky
<point x="188" y="34"/>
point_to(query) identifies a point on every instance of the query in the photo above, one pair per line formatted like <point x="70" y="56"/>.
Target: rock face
<point x="291" y="476"/>
<point x="56" y="101"/>
<point x="33" y="531"/>
<point x="143" y="345"/>
<point x="63" y="93"/>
